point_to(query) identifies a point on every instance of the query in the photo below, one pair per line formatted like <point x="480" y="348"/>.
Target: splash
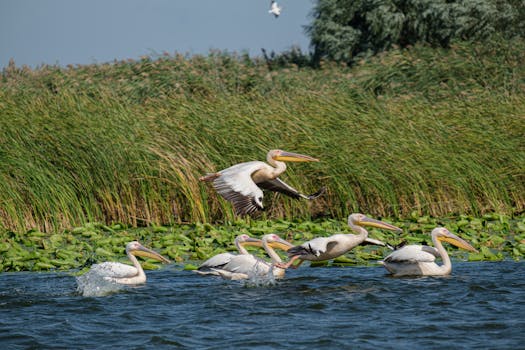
<point x="260" y="277"/>
<point x="93" y="284"/>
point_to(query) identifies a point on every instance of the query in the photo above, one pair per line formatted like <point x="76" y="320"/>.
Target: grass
<point x="420" y="131"/>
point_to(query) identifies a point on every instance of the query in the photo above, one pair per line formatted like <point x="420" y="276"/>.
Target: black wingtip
<point x="319" y="193"/>
<point x="400" y="245"/>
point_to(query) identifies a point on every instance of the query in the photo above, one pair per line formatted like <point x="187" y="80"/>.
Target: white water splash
<point x="93" y="284"/>
<point x="260" y="277"/>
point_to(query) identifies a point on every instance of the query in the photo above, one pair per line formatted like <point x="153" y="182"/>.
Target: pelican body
<point x="245" y="266"/>
<point x="326" y="248"/>
<point x="127" y="274"/>
<point x="218" y="261"/>
<point x="242" y="184"/>
<point x="419" y="260"/>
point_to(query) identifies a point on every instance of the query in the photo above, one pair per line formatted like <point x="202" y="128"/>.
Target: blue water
<point x="480" y="306"/>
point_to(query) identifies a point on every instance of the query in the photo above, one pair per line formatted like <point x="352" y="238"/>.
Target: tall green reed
<point x="421" y="130"/>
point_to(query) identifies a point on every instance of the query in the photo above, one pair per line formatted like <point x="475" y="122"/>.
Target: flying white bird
<point x="326" y="248"/>
<point x="275" y="9"/>
<point x="242" y="183"/>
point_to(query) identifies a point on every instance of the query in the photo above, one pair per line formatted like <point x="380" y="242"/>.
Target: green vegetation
<point x="431" y="131"/>
<point x="496" y="236"/>
<point x="412" y="134"/>
<point x="348" y="30"/>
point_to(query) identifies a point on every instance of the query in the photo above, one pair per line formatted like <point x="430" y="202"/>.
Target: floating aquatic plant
<point x="496" y="237"/>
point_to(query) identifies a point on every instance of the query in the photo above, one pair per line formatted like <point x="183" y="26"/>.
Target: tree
<point x="345" y="30"/>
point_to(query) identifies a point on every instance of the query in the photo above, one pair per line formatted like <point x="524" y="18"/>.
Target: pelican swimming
<point x="127" y="274"/>
<point x="326" y="248"/>
<point x="219" y="260"/>
<point x="245" y="266"/>
<point x="275" y="9"/>
<point x="419" y="260"/>
<point x="241" y="183"/>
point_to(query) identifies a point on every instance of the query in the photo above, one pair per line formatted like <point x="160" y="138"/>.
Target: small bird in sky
<point x="275" y="9"/>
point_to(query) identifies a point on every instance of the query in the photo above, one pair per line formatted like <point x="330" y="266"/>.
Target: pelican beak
<point x="378" y="224"/>
<point x="148" y="253"/>
<point x="458" y="242"/>
<point x="294" y="157"/>
<point x="252" y="242"/>
<point x="281" y="244"/>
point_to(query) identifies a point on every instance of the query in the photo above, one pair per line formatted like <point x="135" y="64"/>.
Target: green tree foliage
<point x="345" y="30"/>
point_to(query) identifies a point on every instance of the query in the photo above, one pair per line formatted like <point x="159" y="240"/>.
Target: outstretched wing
<point x="278" y="185"/>
<point x="371" y="241"/>
<point x="312" y="248"/>
<point x="235" y="184"/>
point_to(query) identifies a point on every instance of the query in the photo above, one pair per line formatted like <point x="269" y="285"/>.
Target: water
<point x="480" y="306"/>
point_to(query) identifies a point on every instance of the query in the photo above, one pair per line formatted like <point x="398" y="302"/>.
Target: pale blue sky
<point x="35" y="32"/>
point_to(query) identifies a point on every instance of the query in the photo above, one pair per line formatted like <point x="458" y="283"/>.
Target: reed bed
<point x="420" y="131"/>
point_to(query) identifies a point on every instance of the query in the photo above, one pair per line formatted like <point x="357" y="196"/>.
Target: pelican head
<point x="137" y="249"/>
<point x="444" y="235"/>
<point x="275" y="241"/>
<point x="283" y="156"/>
<point x="363" y="220"/>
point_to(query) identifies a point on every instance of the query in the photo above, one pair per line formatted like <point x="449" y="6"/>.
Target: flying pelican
<point x="326" y="248"/>
<point x="244" y="266"/>
<point x="275" y="9"/>
<point x="126" y="274"/>
<point x="219" y="260"/>
<point x="241" y="183"/>
<point x="419" y="260"/>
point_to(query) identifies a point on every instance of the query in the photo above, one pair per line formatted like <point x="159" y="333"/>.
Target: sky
<point x="62" y="32"/>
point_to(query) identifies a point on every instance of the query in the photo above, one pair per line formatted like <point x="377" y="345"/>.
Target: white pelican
<point x="219" y="260"/>
<point x="275" y="9"/>
<point x="241" y="183"/>
<point x="245" y="266"/>
<point x="326" y="248"/>
<point x="127" y="274"/>
<point x="419" y="260"/>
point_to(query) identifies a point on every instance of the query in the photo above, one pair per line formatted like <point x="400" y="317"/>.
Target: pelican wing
<point x="411" y="254"/>
<point x="246" y="264"/>
<point x="315" y="247"/>
<point x="278" y="185"/>
<point x="235" y="184"/>
<point x="114" y="270"/>
<point x="216" y="261"/>
<point x="371" y="241"/>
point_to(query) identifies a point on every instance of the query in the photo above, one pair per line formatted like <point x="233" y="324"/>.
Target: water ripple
<point x="479" y="306"/>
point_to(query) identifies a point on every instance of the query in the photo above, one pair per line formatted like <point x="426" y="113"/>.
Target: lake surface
<point x="480" y="306"/>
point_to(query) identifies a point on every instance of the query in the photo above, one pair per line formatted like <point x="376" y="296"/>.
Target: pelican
<point x="219" y="260"/>
<point x="275" y="9"/>
<point x="244" y="266"/>
<point x="126" y="274"/>
<point x="241" y="183"/>
<point x="419" y="260"/>
<point x="326" y="248"/>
